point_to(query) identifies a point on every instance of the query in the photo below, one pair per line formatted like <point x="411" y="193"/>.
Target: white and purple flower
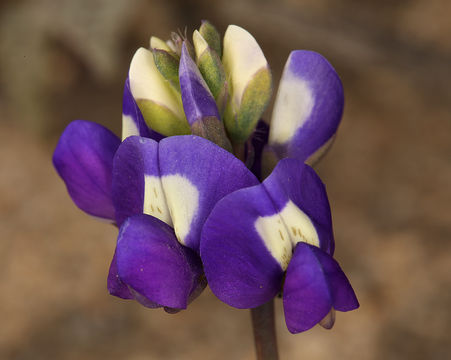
<point x="277" y="237"/>
<point x="188" y="208"/>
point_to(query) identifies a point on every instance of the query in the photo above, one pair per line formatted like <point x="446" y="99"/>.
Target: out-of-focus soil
<point x="388" y="177"/>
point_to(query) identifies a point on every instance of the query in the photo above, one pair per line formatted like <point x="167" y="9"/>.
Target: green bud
<point x="211" y="36"/>
<point x="168" y="66"/>
<point x="212" y="70"/>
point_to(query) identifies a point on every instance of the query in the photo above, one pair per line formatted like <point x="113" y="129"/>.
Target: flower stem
<point x="265" y="331"/>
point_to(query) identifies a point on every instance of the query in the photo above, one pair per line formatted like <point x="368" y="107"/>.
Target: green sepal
<point x="212" y="71"/>
<point x="211" y="36"/>
<point x="212" y="128"/>
<point x="161" y="119"/>
<point x="240" y="122"/>
<point x="168" y="66"/>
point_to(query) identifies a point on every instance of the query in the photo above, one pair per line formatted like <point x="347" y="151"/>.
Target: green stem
<point x="265" y="331"/>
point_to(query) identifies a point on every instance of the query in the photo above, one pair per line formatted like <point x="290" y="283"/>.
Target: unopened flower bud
<point x="160" y="107"/>
<point x="250" y="83"/>
<point x="168" y="66"/>
<point x="157" y="43"/>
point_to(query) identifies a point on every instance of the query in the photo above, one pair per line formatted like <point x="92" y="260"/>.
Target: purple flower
<point x="277" y="237"/>
<point x="307" y="110"/>
<point x="185" y="204"/>
<point x="176" y="182"/>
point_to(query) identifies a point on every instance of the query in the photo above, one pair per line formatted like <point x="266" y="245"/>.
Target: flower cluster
<point x="187" y="184"/>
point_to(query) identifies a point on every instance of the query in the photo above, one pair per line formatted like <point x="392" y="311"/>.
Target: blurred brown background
<point x="388" y="177"/>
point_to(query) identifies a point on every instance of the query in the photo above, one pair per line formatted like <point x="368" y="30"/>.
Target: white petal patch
<point x="183" y="202"/>
<point x="282" y="231"/>
<point x="129" y="127"/>
<point x="293" y="106"/>
<point x="155" y="200"/>
<point x="274" y="233"/>
<point x="242" y="58"/>
<point x="299" y="225"/>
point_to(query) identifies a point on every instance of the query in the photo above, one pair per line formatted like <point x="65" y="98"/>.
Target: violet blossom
<point x="185" y="204"/>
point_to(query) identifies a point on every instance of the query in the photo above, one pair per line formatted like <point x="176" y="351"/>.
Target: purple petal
<point x="239" y="267"/>
<point x="84" y="160"/>
<point x="344" y="298"/>
<point x="132" y="120"/>
<point x="198" y="102"/>
<point x="115" y="286"/>
<point x="196" y="174"/>
<point x="293" y="181"/>
<point x="135" y="164"/>
<point x="155" y="265"/>
<point x="308" y="107"/>
<point x="314" y="284"/>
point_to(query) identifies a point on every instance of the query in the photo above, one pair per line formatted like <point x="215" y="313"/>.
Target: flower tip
<point x="200" y="45"/>
<point x="329" y="320"/>
<point x="157" y="43"/>
<point x="211" y="36"/>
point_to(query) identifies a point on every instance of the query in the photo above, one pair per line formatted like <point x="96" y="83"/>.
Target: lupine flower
<point x="307" y="110"/>
<point x="174" y="194"/>
<point x="176" y="182"/>
<point x="276" y="237"/>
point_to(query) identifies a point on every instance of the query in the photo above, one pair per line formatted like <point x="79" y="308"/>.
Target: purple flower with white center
<point x="187" y="208"/>
<point x="176" y="182"/>
<point x="308" y="108"/>
<point x="277" y="236"/>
